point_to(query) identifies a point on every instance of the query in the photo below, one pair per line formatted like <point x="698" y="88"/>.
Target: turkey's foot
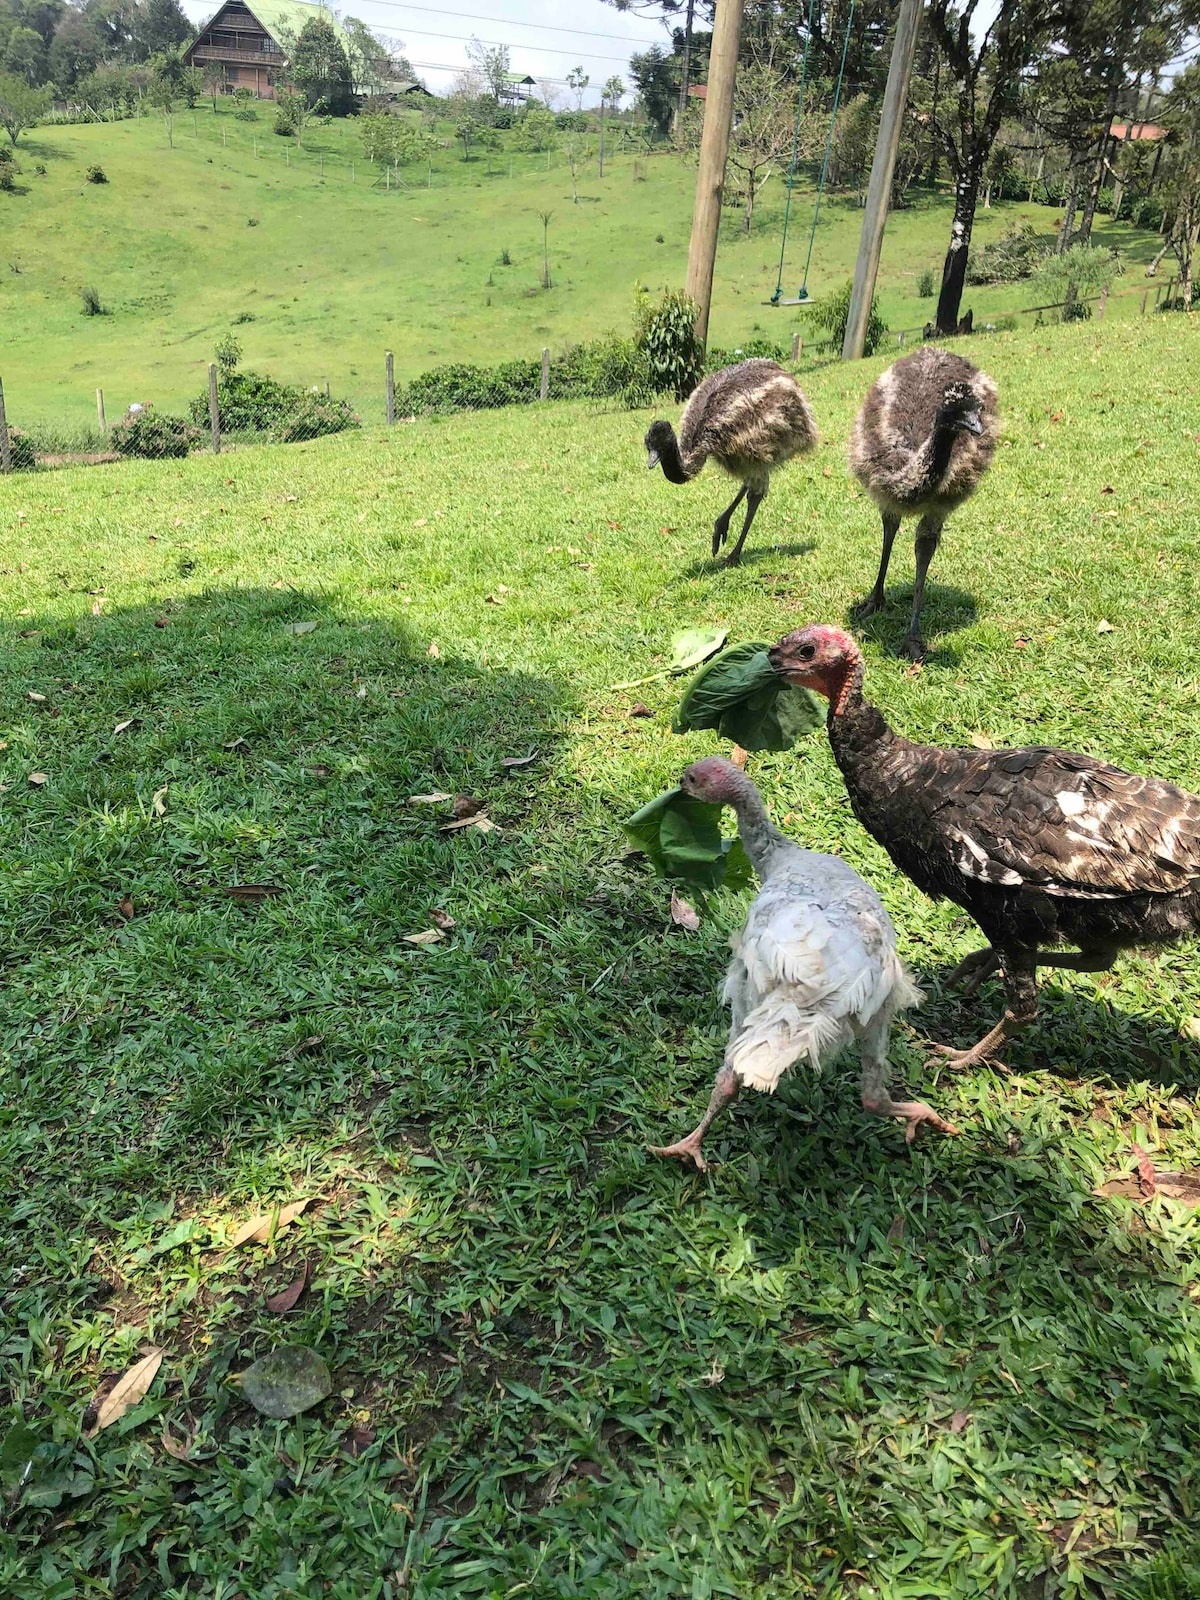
<point x="961" y="1060"/>
<point x="683" y="1150"/>
<point x="913" y="1113"/>
<point x="973" y="969"/>
<point x="862" y="609"/>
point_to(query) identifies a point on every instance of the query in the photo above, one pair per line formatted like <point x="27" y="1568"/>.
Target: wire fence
<point x="238" y="408"/>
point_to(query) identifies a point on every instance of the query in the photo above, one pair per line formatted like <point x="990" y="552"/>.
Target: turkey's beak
<point x="652" y="460"/>
<point x="973" y="422"/>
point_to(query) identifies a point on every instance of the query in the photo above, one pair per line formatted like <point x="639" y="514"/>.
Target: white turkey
<point x="814" y="968"/>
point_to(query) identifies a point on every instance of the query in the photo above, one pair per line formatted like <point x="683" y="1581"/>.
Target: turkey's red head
<point x="818" y="658"/>
<point x="714" y="779"/>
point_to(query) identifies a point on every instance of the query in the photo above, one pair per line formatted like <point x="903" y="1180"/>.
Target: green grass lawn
<point x="830" y="1368"/>
<point x="331" y="269"/>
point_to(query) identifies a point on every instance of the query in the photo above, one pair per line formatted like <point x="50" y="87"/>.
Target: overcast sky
<point x="546" y="38"/>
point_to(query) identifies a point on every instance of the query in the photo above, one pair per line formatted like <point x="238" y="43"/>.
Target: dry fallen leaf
<point x="959" y="1421"/>
<point x="251" y="893"/>
<point x="236" y="744"/>
<point x="38" y="699"/>
<point x="492" y="600"/>
<point x="480" y="821"/>
<point x="361" y="1437"/>
<point x="1191" y="1028"/>
<point x="421" y="522"/>
<point x="259" y="1228"/>
<point x="162" y="622"/>
<point x="640" y="709"/>
<point x="427" y="936"/>
<point x="511" y="763"/>
<point x="159" y="802"/>
<point x="1105" y="626"/>
<point x="125" y="908"/>
<point x="465" y="805"/>
<point x="299" y="627"/>
<point x="434" y="652"/>
<point x="304" y="1048"/>
<point x="982" y="742"/>
<point x="739" y="757"/>
<point x="37" y="779"/>
<point x="121" y="726"/>
<point x="896" y="1232"/>
<point x="683" y="914"/>
<point x="129" y="1388"/>
<point x="442" y="919"/>
<point x="1183" y="1187"/>
<point x="181" y="1452"/>
<point x="433" y="799"/>
<point x="1108" y="489"/>
<point x="1145" y="1171"/>
<point x="287" y="1298"/>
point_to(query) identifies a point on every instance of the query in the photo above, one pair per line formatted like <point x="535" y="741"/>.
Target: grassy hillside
<point x="831" y="1367"/>
<point x="330" y="269"/>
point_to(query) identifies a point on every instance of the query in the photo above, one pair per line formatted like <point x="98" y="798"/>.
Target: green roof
<point x="283" y="16"/>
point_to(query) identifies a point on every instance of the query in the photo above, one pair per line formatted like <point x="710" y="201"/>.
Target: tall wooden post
<point x="544" y="393"/>
<point x="214" y="414"/>
<point x="390" y="386"/>
<point x="100" y="409"/>
<point x="887" y="145"/>
<point x="714" y="146"/>
<point x="5" y="447"/>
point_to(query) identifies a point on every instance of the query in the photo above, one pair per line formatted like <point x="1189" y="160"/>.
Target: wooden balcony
<point x="238" y="58"/>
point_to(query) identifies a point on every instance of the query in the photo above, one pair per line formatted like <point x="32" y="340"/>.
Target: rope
<point x="787" y="210"/>
<point x="837" y="95"/>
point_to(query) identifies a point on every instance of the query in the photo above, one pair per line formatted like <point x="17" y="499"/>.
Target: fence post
<point x="1145" y="297"/>
<point x="1103" y="304"/>
<point x="214" y="414"/>
<point x="391" y="386"/>
<point x="5" y="447"/>
<point x="545" y="391"/>
<point x="797" y="346"/>
<point x="100" y="409"/>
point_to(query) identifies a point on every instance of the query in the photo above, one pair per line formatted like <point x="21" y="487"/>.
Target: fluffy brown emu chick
<point x="1040" y="846"/>
<point x="921" y="444"/>
<point x="750" y="419"/>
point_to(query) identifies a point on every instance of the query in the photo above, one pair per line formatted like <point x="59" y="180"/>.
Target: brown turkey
<point x="1040" y="846"/>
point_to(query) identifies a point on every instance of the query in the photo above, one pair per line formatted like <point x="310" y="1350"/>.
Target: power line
<point x="508" y="22"/>
<point x="546" y="49"/>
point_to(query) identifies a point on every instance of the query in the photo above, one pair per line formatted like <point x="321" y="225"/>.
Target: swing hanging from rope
<point x="803" y="298"/>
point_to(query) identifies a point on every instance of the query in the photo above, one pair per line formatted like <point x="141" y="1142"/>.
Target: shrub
<point x="250" y="114"/>
<point x="571" y="121"/>
<point x="316" y="415"/>
<point x="92" y="305"/>
<point x="154" y="435"/>
<point x="664" y="336"/>
<point x="248" y="402"/>
<point x="831" y="312"/>
<point x="96" y="174"/>
<point x="460" y="387"/>
<point x="925" y="284"/>
<point x="21" y="451"/>
<point x="715" y="358"/>
<point x="1083" y="269"/>
<point x="505" y="257"/>
<point x="1013" y="256"/>
<point x="227" y="354"/>
<point x="8" y="178"/>
<point x="285" y="118"/>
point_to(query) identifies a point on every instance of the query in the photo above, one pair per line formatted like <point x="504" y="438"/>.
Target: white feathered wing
<point x="808" y="978"/>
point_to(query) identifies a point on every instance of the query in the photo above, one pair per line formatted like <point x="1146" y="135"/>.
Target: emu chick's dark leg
<point x="874" y="601"/>
<point x="724" y="1091"/>
<point x="929" y="534"/>
<point x="721" y="525"/>
<point x="1020" y="995"/>
<point x="754" y="498"/>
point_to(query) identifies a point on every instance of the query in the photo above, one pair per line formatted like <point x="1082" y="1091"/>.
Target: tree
<point x="536" y="130"/>
<point x="76" y="50"/>
<point x="162" y="95"/>
<point x="577" y="82"/>
<point x="988" y="74"/>
<point x="191" y="86"/>
<point x="761" y="137"/>
<point x="295" y="111"/>
<point x="611" y="94"/>
<point x="653" y="71"/>
<point x="20" y="105"/>
<point x="156" y="27"/>
<point x="1181" y="186"/>
<point x="492" y="64"/>
<point x="369" y="56"/>
<point x="319" y="67"/>
<point x="26" y="56"/>
<point x="214" y="80"/>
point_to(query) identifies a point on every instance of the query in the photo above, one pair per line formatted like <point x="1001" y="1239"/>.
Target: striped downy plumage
<point x="1040" y="846"/>
<point x="920" y="446"/>
<point x="750" y="419"/>
<point x="814" y="968"/>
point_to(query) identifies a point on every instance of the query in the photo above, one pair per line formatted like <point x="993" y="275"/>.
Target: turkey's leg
<point x="754" y="498"/>
<point x="874" y="601"/>
<point x="1020" y="994"/>
<point x="929" y="535"/>
<point x="875" y="1096"/>
<point x="973" y="969"/>
<point x="724" y="1091"/>
<point x="721" y="525"/>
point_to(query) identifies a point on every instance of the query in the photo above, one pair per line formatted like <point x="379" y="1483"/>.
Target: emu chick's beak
<point x="973" y="422"/>
<point x="652" y="460"/>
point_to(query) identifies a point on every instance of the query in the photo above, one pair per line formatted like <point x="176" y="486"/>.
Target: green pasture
<point x="320" y="268"/>
<point x="833" y="1367"/>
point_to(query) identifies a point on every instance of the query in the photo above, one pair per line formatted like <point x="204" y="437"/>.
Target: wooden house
<point x="247" y="40"/>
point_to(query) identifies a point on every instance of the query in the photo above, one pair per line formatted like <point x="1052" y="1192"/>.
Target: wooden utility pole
<point x="100" y="409"/>
<point x="214" y="412"/>
<point x="390" y="386"/>
<point x="714" y="146"/>
<point x="891" y="120"/>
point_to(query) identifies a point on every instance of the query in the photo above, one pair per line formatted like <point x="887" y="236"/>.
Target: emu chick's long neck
<point x="759" y="835"/>
<point x="675" y="468"/>
<point x="927" y="465"/>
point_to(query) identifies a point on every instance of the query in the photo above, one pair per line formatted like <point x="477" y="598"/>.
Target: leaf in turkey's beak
<point x="652" y="460"/>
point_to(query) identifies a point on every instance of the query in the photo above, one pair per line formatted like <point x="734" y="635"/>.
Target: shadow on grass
<point x="557" y="1363"/>
<point x="751" y="556"/>
<point x="946" y="610"/>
